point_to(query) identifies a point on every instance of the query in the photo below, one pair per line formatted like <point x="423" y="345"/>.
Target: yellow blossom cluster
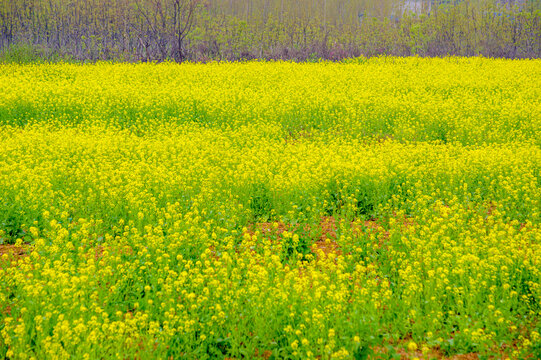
<point x="259" y="210"/>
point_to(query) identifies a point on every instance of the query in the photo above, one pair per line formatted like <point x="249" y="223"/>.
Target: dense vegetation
<point x="202" y="30"/>
<point x="271" y="209"/>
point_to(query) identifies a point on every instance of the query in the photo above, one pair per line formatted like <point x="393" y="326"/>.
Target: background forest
<point x="300" y="30"/>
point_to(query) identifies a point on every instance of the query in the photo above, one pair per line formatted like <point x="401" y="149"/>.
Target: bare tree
<point x="168" y="23"/>
<point x="183" y="21"/>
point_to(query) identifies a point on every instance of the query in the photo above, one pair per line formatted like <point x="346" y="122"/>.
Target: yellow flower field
<point x="375" y="208"/>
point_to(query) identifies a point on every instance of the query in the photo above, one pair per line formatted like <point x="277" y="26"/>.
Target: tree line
<point x="203" y="30"/>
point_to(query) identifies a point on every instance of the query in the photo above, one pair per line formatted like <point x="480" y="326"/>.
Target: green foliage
<point x="25" y="53"/>
<point x="260" y="201"/>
